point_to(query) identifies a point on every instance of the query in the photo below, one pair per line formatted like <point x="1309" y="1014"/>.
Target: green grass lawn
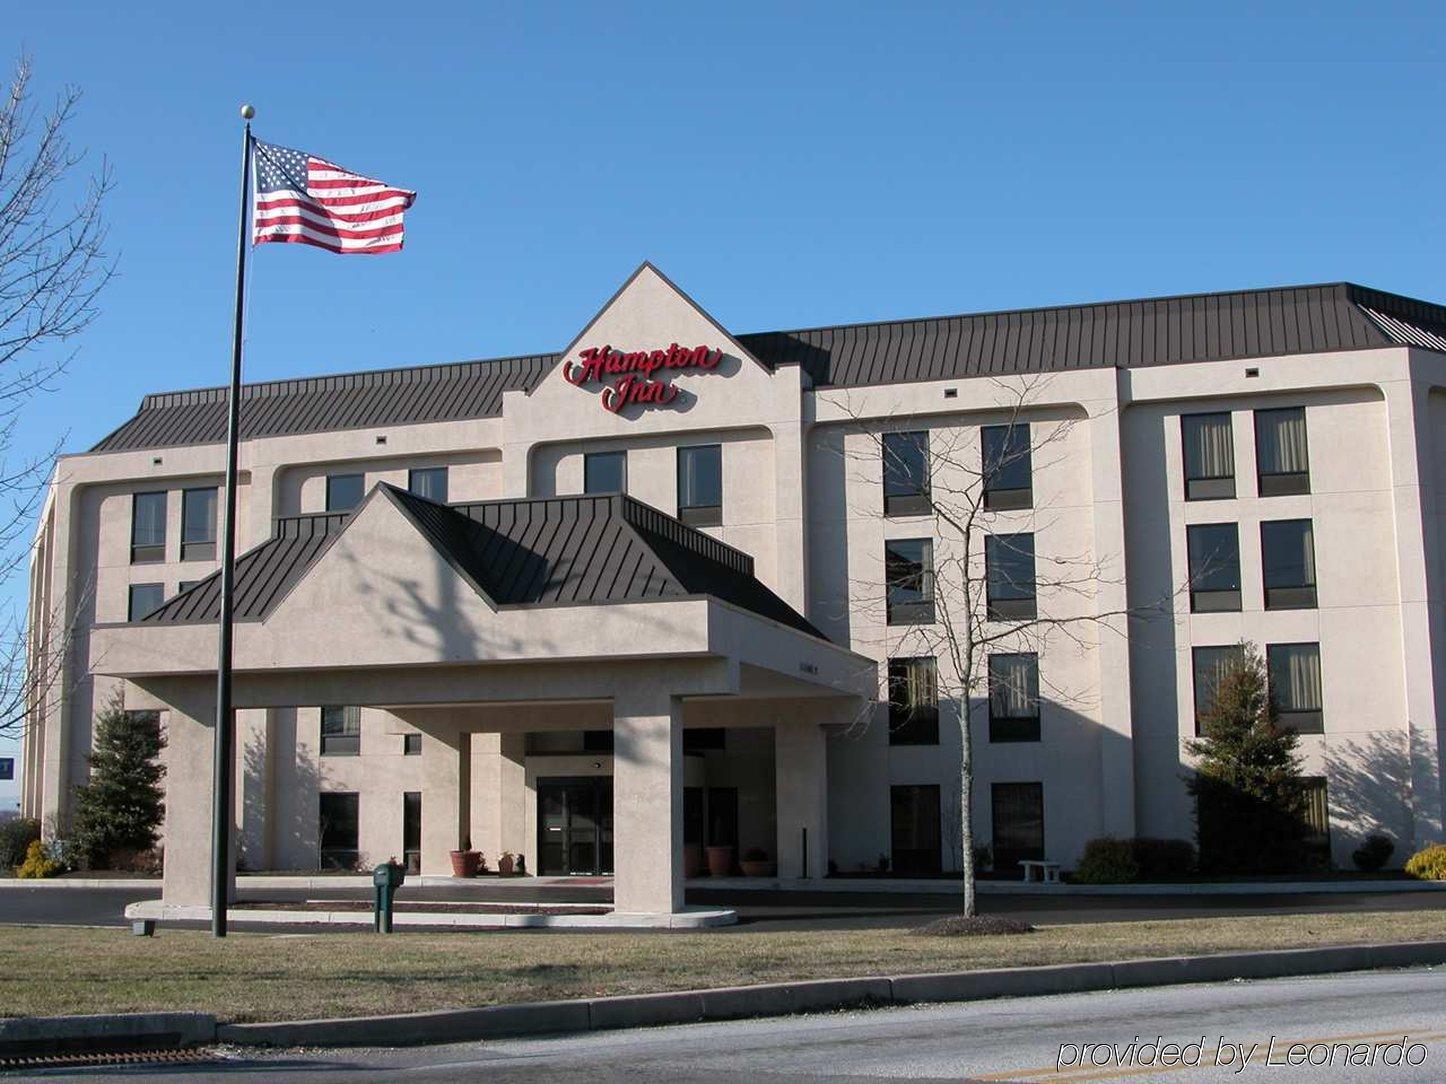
<point x="61" y="970"/>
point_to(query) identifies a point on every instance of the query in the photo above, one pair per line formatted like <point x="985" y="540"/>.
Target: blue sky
<point x="788" y="165"/>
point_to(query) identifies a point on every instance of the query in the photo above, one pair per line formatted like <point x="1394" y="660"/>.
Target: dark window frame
<point x="1206" y="487"/>
<point x="133" y="611"/>
<point x="412" y="830"/>
<point x="926" y="858"/>
<point x="1214" y="599"/>
<point x="1195" y="689"/>
<point x="149" y="552"/>
<point x="333" y="479"/>
<point x="619" y="456"/>
<point x="1294" y="595"/>
<point x="1317" y="839"/>
<point x="1004" y="498"/>
<point x="913" y="611"/>
<point x="345" y="742"/>
<point x="412" y="479"/>
<point x="1281" y="483"/>
<point x="412" y="744"/>
<point x="1016" y="604"/>
<point x="700" y="515"/>
<point x="912" y="724"/>
<point x="905" y="494"/>
<point x="1304" y="721"/>
<point x="334" y="857"/>
<point x="203" y="548"/>
<point x="1013" y="728"/>
<point x="1005" y="857"/>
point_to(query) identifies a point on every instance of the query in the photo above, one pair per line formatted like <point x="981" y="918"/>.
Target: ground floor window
<point x="1316" y="814"/>
<point x="337" y="830"/>
<point x="412" y="831"/>
<point x="1018" y="824"/>
<point x="575" y="825"/>
<point x="914" y="816"/>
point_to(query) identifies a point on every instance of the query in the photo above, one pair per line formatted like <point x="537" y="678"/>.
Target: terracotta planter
<point x="760" y="868"/>
<point x="466" y="863"/>
<point x="505" y="865"/>
<point x="720" y="861"/>
<point x="693" y="861"/>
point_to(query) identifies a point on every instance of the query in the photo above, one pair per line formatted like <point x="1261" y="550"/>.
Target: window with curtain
<point x="429" y="483"/>
<point x="1209" y="449"/>
<point x="1294" y="671"/>
<point x="909" y="581"/>
<point x="339" y="815"/>
<point x="605" y="472"/>
<point x="1282" y="464"/>
<point x="700" y="485"/>
<point x="1007" y="468"/>
<point x="1214" y="554"/>
<point x="1018" y="812"/>
<point x="1209" y="666"/>
<point x="340" y="731"/>
<point x="148" y="528"/>
<point x="1014" y="697"/>
<point x="906" y="474"/>
<point x="913" y="702"/>
<point x="1315" y="812"/>
<point x="1009" y="577"/>
<point x="198" y="524"/>
<point x="1287" y="556"/>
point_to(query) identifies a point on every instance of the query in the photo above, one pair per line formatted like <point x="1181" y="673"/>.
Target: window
<point x="1315" y="811"/>
<point x="148" y="528"/>
<point x="1294" y="671"/>
<point x="606" y="472"/>
<point x="144" y="599"/>
<point x="1214" y="553"/>
<point x="1282" y="464"/>
<point x="909" y="579"/>
<point x="343" y="492"/>
<point x="597" y="741"/>
<point x="1014" y="697"/>
<point x="1009" y="575"/>
<point x="186" y="585"/>
<point x="1018" y="810"/>
<point x="1209" y="456"/>
<point x="1287" y="553"/>
<point x="1210" y="665"/>
<point x="1008" y="470"/>
<point x="337" y="830"/>
<point x="412" y="830"/>
<point x="411" y="745"/>
<point x="915" y="830"/>
<point x="913" y="702"/>
<point x="340" y="731"/>
<point x="198" y="524"/>
<point x="906" y="474"/>
<point x="427" y="482"/>
<point x="700" y="485"/>
<point x="704" y="739"/>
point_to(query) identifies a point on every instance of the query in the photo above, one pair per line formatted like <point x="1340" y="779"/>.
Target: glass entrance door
<point x="575" y="826"/>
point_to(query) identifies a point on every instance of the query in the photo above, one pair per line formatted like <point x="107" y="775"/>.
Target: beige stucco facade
<point x="500" y="697"/>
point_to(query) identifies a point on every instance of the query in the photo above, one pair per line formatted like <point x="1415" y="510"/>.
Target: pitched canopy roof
<point x="1128" y="334"/>
<point x="543" y="551"/>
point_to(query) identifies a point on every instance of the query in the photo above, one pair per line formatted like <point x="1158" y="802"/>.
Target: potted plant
<point x="466" y="862"/>
<point x="693" y="861"/>
<point x="755" y="863"/>
<point x="506" y="863"/>
<point x="720" y="861"/>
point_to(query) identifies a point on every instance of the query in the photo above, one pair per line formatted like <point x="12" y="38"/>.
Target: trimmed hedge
<point x="1109" y="861"/>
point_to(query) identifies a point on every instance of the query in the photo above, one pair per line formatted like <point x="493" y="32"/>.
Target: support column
<point x="186" y="873"/>
<point x="499" y="796"/>
<point x="444" y="805"/>
<point x="800" y="767"/>
<point x="647" y="803"/>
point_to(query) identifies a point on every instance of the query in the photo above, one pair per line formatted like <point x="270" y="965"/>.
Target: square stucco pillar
<point x="800" y="766"/>
<point x="444" y="803"/>
<point x="186" y="871"/>
<point x="647" y="803"/>
<point x="499" y="795"/>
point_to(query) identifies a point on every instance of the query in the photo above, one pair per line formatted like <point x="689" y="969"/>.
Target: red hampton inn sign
<point x="630" y="377"/>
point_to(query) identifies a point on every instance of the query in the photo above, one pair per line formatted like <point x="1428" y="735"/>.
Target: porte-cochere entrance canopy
<point x="482" y="618"/>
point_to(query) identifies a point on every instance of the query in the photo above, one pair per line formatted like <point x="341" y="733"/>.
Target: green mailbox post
<point x="386" y="879"/>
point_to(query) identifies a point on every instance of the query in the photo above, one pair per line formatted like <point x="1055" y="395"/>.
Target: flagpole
<point x="223" y="767"/>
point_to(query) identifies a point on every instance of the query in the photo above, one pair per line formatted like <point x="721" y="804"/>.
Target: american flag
<point x="303" y="199"/>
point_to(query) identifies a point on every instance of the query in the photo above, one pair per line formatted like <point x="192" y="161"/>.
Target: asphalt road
<point x="1015" y="1039"/>
<point x="760" y="910"/>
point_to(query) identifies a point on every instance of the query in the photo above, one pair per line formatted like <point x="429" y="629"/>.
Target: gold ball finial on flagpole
<point x="247" y="112"/>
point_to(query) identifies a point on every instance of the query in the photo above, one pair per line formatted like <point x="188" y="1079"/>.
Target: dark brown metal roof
<point x="1126" y="334"/>
<point x="547" y="551"/>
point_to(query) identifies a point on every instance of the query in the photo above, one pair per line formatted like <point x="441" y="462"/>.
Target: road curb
<point x="775" y="999"/>
<point x="29" y="1036"/>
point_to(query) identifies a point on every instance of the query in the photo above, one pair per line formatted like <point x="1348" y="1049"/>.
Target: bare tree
<point x="53" y="266"/>
<point x="982" y="589"/>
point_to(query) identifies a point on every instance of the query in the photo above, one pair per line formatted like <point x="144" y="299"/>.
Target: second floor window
<point x="700" y="485"/>
<point x="605" y="472"/>
<point x="1294" y="671"/>
<point x="1014" y="697"/>
<point x="148" y="528"/>
<point x="1281" y="462"/>
<point x="906" y="474"/>
<point x="198" y="524"/>
<point x="913" y="702"/>
<point x="340" y="731"/>
<point x="144" y="598"/>
<point x="429" y="482"/>
<point x="1209" y="452"/>
<point x="909" y="578"/>
<point x="1210" y="666"/>
<point x="343" y="491"/>
<point x="1287" y="556"/>
<point x="1009" y="576"/>
<point x="1008" y="470"/>
<point x="1214" y="552"/>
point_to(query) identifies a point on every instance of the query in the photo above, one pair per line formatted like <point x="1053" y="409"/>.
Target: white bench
<point x="1048" y="871"/>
